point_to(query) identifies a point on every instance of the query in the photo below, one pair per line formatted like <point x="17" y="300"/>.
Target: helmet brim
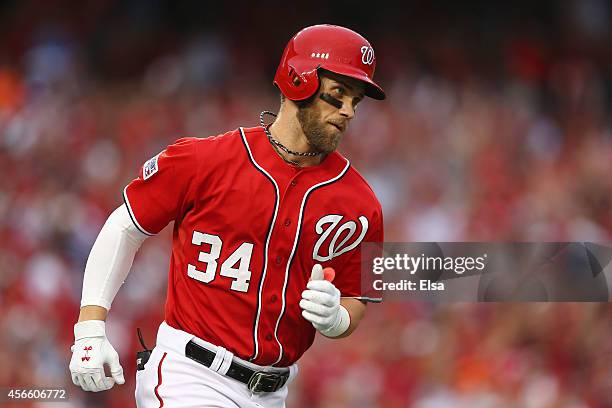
<point x="372" y="89"/>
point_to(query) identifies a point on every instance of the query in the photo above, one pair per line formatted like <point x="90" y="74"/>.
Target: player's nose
<point x="347" y="110"/>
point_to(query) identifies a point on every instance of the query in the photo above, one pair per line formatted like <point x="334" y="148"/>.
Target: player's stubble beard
<point x="317" y="134"/>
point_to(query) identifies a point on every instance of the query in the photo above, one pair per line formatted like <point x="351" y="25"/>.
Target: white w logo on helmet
<point x="367" y="55"/>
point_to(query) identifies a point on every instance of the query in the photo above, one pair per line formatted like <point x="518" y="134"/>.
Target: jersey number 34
<point x="241" y="256"/>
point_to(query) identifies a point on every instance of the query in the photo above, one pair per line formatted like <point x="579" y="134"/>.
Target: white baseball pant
<point x="172" y="380"/>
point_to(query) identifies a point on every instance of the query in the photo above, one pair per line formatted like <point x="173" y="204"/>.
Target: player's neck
<point x="286" y="129"/>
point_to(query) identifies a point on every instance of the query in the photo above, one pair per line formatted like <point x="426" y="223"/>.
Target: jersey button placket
<point x="281" y="247"/>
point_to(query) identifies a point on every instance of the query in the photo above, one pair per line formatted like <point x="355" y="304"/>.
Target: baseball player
<point x="268" y="223"/>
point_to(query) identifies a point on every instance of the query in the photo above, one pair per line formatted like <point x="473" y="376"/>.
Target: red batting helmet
<point x="334" y="48"/>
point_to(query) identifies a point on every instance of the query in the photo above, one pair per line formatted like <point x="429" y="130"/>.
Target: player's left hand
<point x="321" y="303"/>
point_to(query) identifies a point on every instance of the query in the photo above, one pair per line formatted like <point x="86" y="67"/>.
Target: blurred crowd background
<point x="497" y="127"/>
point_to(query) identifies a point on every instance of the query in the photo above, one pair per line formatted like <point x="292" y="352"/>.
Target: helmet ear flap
<point x="311" y="82"/>
<point x="300" y="86"/>
<point x="295" y="77"/>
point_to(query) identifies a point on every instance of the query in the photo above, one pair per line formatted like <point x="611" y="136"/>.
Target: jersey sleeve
<point x="349" y="277"/>
<point x="161" y="193"/>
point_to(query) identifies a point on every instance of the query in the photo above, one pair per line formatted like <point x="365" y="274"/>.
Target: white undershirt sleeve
<point x="110" y="259"/>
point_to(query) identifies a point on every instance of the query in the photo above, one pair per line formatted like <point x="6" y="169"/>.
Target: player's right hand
<point x="90" y="352"/>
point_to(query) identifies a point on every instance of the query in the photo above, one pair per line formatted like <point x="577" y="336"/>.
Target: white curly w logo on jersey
<point x="349" y="228"/>
<point x="367" y="55"/>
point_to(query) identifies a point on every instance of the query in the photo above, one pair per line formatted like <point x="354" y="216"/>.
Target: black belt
<point x="257" y="381"/>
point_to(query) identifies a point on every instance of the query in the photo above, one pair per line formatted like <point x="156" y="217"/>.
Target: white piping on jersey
<point x="295" y="242"/>
<point x="132" y="216"/>
<point x="267" y="244"/>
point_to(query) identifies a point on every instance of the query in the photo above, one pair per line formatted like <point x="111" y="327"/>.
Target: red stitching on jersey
<point x="159" y="381"/>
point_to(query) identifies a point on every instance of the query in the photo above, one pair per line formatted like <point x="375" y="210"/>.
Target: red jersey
<point x="248" y="229"/>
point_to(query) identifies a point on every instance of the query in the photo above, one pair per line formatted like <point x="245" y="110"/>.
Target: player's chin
<point x="332" y="143"/>
<point x="327" y="146"/>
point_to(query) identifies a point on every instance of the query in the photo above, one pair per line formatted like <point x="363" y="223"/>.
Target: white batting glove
<point x="90" y="352"/>
<point x="321" y="305"/>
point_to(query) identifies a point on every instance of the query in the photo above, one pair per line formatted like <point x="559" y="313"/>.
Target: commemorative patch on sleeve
<point x="150" y="168"/>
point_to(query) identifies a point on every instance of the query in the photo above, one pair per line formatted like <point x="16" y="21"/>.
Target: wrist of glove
<point x="321" y="306"/>
<point x="90" y="353"/>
